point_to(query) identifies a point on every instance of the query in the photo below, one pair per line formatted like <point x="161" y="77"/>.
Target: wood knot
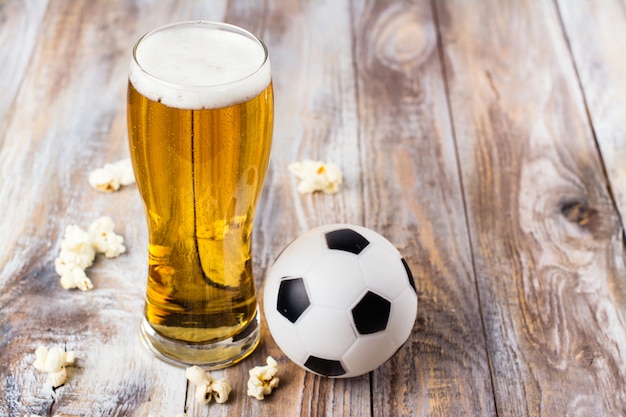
<point x="584" y="357"/>
<point x="578" y="212"/>
<point x="403" y="38"/>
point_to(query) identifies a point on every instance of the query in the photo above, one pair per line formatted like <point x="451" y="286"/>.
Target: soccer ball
<point x="340" y="300"/>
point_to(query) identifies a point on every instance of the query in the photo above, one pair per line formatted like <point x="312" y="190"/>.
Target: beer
<point x="200" y="119"/>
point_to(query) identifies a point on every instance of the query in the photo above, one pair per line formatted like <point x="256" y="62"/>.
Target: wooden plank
<point x="545" y="236"/>
<point x="70" y="118"/>
<point x="413" y="196"/>
<point x="310" y="46"/>
<point x="359" y="83"/>
<point x="19" y="26"/>
<point x="594" y="30"/>
<point x="101" y="383"/>
<point x="315" y="117"/>
<point x="18" y="37"/>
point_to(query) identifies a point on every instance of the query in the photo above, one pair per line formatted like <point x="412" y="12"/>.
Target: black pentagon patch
<point x="409" y="274"/>
<point x="347" y="240"/>
<point x="292" y="298"/>
<point x="326" y="367"/>
<point x="371" y="314"/>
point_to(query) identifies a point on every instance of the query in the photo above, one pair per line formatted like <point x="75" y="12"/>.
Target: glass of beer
<point x="200" y="119"/>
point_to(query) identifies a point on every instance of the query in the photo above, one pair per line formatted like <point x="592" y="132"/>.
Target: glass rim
<point x="208" y="24"/>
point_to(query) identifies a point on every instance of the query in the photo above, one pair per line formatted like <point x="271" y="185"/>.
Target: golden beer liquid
<point x="200" y="173"/>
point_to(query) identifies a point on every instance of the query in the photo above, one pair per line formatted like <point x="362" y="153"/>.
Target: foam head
<point x="196" y="65"/>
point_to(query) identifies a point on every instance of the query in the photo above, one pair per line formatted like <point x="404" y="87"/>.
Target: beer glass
<point x="200" y="120"/>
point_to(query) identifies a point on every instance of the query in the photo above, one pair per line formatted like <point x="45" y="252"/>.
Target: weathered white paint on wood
<point x="19" y="26"/>
<point x="310" y="48"/>
<point x="546" y="240"/>
<point x="595" y="30"/>
<point x="69" y="118"/>
<point x="409" y="163"/>
<point x="462" y="131"/>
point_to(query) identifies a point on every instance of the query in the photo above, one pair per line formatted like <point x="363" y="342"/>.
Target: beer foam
<point x="196" y="66"/>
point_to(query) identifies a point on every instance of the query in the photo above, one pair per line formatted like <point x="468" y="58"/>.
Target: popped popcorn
<point x="206" y="387"/>
<point x="263" y="379"/>
<point x="317" y="176"/>
<point x="104" y="238"/>
<point x="112" y="176"/>
<point x="79" y="248"/>
<point x="53" y="362"/>
<point x="76" y="250"/>
<point x="103" y="179"/>
<point x="75" y="277"/>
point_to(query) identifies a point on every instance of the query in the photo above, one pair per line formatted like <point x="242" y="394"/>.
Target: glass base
<point x="206" y="355"/>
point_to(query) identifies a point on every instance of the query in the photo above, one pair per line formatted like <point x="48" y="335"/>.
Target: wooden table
<point x="485" y="138"/>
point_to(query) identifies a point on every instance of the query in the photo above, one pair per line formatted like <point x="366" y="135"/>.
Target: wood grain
<point x="484" y="138"/>
<point x="312" y="68"/>
<point x="19" y="29"/>
<point x="69" y="118"/>
<point x="413" y="195"/>
<point x="593" y="30"/>
<point x="546" y="239"/>
<point x="19" y="26"/>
